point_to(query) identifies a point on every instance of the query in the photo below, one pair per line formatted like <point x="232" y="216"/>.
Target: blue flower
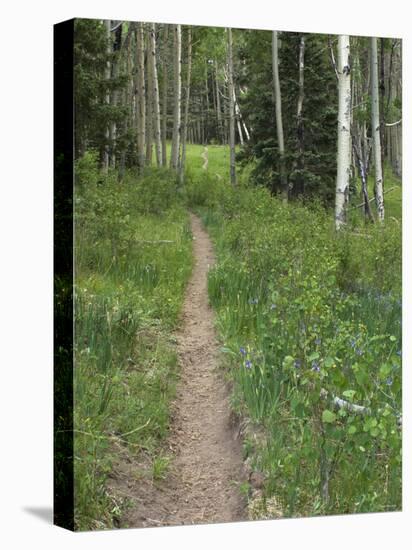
<point x="389" y="381"/>
<point x="248" y="364"/>
<point x="273" y="306"/>
<point x="318" y="341"/>
<point x="359" y="352"/>
<point x="242" y="351"/>
<point x="297" y="363"/>
<point x="315" y="366"/>
<point x="353" y="342"/>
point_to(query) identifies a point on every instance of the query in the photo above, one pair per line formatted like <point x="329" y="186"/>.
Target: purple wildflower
<point x="242" y="351"/>
<point x="315" y="366"/>
<point x="297" y="363"/>
<point x="248" y="364"/>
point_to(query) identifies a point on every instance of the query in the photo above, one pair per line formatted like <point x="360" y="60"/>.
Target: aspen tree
<point x="278" y="108"/>
<point x="177" y="63"/>
<point x="344" y="141"/>
<point x="231" y="106"/>
<point x="187" y="104"/>
<point x="141" y="96"/>
<point x="155" y="100"/>
<point x="376" y="135"/>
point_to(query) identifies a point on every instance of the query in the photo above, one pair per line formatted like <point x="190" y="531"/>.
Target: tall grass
<point x="308" y="316"/>
<point x="132" y="261"/>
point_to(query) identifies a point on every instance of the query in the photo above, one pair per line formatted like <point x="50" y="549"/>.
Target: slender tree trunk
<point x="187" y="104"/>
<point x="218" y="106"/>
<point x="141" y="97"/>
<point x="344" y="115"/>
<point x="375" y="122"/>
<point x="231" y="107"/>
<point x="300" y="127"/>
<point x="279" y="122"/>
<point x="149" y="103"/>
<point x="107" y="71"/>
<point x="164" y="93"/>
<point x="113" y="102"/>
<point x="155" y="93"/>
<point x="174" y="160"/>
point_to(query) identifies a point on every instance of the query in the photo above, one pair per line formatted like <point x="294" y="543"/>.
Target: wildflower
<point x="242" y="351"/>
<point x="297" y="363"/>
<point x="353" y="342"/>
<point x="248" y="364"/>
<point x="318" y="341"/>
<point x="273" y="306"/>
<point x="359" y="352"/>
<point x="315" y="366"/>
<point x="389" y="381"/>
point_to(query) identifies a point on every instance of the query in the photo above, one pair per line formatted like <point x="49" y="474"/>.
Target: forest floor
<point x="202" y="470"/>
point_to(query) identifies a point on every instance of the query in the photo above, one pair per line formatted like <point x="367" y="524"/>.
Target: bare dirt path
<point x="206" y="469"/>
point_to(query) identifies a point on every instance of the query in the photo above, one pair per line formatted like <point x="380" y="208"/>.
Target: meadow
<point x="309" y="322"/>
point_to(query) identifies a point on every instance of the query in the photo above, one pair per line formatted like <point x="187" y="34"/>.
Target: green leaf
<point x="349" y="394"/>
<point x="352" y="430"/>
<point x="328" y="416"/>
<point x="313" y="356"/>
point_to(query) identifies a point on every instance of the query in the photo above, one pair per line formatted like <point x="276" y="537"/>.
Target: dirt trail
<point x="202" y="485"/>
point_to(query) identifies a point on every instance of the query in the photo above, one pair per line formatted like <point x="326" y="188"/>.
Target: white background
<point x="26" y="272"/>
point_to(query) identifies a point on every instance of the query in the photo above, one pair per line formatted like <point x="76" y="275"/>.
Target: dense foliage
<point x="312" y="170"/>
<point x="308" y="318"/>
<point x="129" y="289"/>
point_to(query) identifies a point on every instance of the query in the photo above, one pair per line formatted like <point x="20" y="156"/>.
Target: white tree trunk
<point x="141" y="97"/>
<point x="107" y="70"/>
<point x="174" y="159"/>
<point x="155" y="91"/>
<point x="278" y="107"/>
<point x="377" y="153"/>
<point x="187" y="103"/>
<point x="231" y="107"/>
<point x="164" y="102"/>
<point x="344" y="142"/>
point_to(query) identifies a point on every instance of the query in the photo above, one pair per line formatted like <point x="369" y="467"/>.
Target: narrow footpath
<point x="206" y="468"/>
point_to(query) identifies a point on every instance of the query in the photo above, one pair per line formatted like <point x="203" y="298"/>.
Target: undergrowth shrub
<point x="132" y="262"/>
<point x="311" y="325"/>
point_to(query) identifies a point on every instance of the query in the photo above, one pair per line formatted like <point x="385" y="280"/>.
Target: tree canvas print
<point x="228" y="274"/>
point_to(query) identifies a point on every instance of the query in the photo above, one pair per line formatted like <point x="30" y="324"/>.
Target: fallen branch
<point x="156" y="242"/>
<point x="388" y="125"/>
<point x="372" y="199"/>
<point x="352" y="407"/>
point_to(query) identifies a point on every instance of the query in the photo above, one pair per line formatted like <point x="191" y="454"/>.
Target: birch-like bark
<point x="218" y="107"/>
<point x="375" y="122"/>
<point x="164" y="94"/>
<point x="231" y="107"/>
<point x="344" y="116"/>
<point x="187" y="103"/>
<point x="107" y="71"/>
<point x="300" y="128"/>
<point x="278" y="107"/>
<point x="141" y="97"/>
<point x="155" y="93"/>
<point x="174" y="159"/>
<point x="149" y="103"/>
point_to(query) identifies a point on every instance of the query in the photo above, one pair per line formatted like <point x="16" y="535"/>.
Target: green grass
<point x="306" y="315"/>
<point x="133" y="259"/>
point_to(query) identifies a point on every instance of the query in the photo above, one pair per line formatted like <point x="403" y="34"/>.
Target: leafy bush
<point x="310" y="317"/>
<point x="132" y="261"/>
